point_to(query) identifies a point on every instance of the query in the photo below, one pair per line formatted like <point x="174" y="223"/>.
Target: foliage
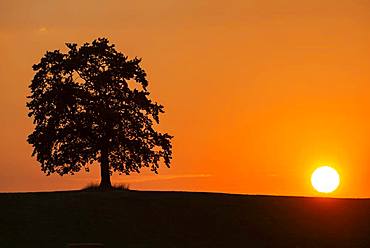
<point x="92" y="104"/>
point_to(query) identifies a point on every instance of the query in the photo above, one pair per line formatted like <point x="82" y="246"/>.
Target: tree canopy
<point x="92" y="104"/>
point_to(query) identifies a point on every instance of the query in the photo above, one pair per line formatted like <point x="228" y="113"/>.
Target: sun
<point x="325" y="179"/>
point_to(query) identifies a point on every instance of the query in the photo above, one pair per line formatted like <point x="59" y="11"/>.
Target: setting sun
<point x="325" y="179"/>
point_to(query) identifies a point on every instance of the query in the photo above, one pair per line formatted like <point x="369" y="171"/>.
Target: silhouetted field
<point x="176" y="219"/>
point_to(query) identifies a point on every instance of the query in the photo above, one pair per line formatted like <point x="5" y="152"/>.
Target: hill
<point x="179" y="219"/>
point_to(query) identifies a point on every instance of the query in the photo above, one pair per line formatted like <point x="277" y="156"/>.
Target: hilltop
<point x="181" y="219"/>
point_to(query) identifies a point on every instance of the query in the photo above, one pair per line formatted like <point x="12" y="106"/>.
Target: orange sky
<point x="257" y="93"/>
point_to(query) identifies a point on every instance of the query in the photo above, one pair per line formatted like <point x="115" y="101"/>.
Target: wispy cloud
<point x="43" y="29"/>
<point x="165" y="177"/>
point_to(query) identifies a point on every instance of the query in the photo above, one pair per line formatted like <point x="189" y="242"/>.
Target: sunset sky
<point x="257" y="93"/>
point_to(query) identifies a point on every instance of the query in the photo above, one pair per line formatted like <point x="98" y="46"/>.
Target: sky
<point x="257" y="93"/>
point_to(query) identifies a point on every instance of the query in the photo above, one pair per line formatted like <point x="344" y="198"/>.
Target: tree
<point x="91" y="104"/>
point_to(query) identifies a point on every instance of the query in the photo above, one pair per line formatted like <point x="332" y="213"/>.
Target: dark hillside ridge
<point x="181" y="219"/>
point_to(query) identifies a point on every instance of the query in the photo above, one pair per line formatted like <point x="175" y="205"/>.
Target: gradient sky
<point x="257" y="93"/>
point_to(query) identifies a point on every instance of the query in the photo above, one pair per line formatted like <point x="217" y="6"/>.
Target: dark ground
<point x="176" y="219"/>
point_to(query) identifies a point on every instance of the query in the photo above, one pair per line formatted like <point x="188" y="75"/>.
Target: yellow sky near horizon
<point x="256" y="93"/>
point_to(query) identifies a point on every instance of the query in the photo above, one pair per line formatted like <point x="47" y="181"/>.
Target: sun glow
<point x="325" y="179"/>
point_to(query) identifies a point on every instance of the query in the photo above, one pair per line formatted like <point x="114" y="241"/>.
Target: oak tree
<point x="92" y="104"/>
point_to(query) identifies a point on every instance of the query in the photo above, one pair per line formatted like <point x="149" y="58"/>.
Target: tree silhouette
<point x="91" y="104"/>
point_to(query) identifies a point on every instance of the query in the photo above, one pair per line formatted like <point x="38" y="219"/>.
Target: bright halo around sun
<point x="325" y="179"/>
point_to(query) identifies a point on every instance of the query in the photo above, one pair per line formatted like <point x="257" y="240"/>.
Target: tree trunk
<point x="105" y="183"/>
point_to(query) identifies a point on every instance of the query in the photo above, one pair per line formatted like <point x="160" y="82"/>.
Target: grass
<point x="131" y="219"/>
<point x="115" y="187"/>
